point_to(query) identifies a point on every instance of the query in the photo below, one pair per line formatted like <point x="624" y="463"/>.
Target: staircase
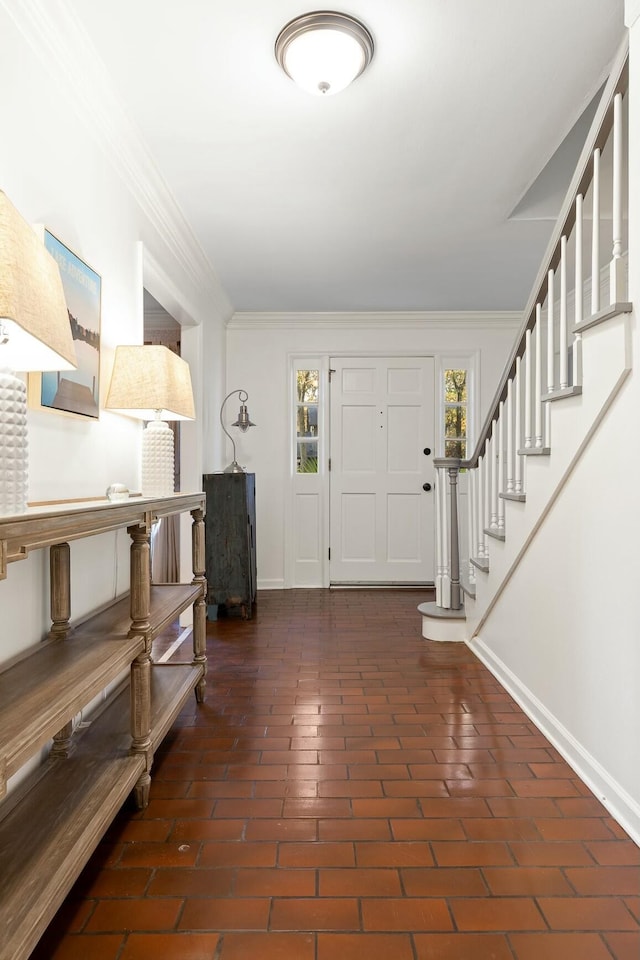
<point x="533" y="594"/>
<point x="574" y="420"/>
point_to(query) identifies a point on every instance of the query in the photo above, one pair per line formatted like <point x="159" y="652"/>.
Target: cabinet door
<point x="251" y="534"/>
<point x="230" y="539"/>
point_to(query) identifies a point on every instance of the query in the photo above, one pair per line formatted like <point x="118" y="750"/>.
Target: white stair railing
<point x="481" y="507"/>
<point x="546" y="360"/>
<point x="518" y="483"/>
<point x="472" y="530"/>
<point x="448" y="591"/>
<point x="578" y="293"/>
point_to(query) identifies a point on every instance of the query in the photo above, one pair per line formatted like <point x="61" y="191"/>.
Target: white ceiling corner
<point x="392" y="197"/>
<point x="59" y="37"/>
<point x="543" y="200"/>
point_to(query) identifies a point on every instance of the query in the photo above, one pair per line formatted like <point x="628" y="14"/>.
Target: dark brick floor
<point x="350" y="791"/>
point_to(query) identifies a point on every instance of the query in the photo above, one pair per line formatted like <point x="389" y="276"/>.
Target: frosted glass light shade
<point x="323" y="52"/>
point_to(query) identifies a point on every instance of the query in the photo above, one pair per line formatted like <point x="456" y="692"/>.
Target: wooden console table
<point x="50" y="824"/>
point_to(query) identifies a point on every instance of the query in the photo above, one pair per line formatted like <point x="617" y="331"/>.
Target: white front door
<point x="381" y="518"/>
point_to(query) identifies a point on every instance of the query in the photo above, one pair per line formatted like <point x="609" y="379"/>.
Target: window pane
<point x="455" y="448"/>
<point x="307" y="385"/>
<point x="307" y="459"/>
<point x="455" y="422"/>
<point x="307" y="425"/>
<point x="455" y="386"/>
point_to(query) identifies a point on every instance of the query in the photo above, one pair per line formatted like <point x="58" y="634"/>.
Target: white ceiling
<point x="393" y="195"/>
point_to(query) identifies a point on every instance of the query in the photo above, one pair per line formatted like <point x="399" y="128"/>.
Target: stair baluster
<point x="539" y="438"/>
<point x="550" y="353"/>
<point x="511" y="467"/>
<point x="472" y="483"/>
<point x="500" y="468"/>
<point x="595" y="235"/>
<point x="482" y="471"/>
<point x="487" y="491"/>
<point x="617" y="284"/>
<point x="528" y="422"/>
<point x="493" y="522"/>
<point x="518" y="486"/>
<point x="578" y="294"/>
<point x="564" y="336"/>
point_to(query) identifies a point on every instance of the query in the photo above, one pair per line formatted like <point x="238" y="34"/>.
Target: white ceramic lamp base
<point x="13" y="444"/>
<point x="157" y="460"/>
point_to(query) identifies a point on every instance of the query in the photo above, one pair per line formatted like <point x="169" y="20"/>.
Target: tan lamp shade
<point x="33" y="312"/>
<point x="151" y="382"/>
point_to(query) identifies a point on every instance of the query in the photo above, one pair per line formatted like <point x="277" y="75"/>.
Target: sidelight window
<point x="306" y="412"/>
<point x="456" y="404"/>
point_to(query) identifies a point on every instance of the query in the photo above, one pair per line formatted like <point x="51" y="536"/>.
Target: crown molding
<point x="59" y="40"/>
<point x="400" y="320"/>
<point x="631" y="12"/>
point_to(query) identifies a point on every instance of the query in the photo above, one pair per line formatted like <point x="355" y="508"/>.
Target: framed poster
<point x="75" y="392"/>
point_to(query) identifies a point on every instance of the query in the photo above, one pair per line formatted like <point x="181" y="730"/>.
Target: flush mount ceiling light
<point x="323" y="52"/>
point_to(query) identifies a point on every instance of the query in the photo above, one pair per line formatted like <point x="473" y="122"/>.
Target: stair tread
<point x="494" y="534"/>
<point x="561" y="392"/>
<point x="608" y="313"/>
<point x="468" y="586"/>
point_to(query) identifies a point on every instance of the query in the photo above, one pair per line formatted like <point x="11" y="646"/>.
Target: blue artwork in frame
<point x="76" y="391"/>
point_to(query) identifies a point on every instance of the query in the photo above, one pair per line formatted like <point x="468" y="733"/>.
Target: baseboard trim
<point x="383" y="585"/>
<point x="270" y="584"/>
<point x="620" y="804"/>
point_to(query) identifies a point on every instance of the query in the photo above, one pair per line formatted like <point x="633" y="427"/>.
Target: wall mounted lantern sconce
<point x="243" y="422"/>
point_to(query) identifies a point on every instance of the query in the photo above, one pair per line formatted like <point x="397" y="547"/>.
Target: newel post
<point x="452" y="466"/>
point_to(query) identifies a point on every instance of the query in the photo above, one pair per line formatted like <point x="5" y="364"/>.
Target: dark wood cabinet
<point x="230" y="541"/>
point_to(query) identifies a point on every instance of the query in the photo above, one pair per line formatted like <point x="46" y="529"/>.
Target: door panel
<point x="307" y="527"/>
<point x="381" y="520"/>
<point x="358" y="381"/>
<point x="358" y="518"/>
<point x="359" y="440"/>
<point x="403" y="534"/>
<point x="403" y="425"/>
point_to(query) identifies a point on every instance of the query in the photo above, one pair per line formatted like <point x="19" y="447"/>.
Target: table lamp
<point x="152" y="383"/>
<point x="35" y="335"/>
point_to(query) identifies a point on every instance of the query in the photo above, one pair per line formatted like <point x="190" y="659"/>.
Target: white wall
<point x="564" y="634"/>
<point x="567" y="626"/>
<point x="258" y="351"/>
<point x="69" y="161"/>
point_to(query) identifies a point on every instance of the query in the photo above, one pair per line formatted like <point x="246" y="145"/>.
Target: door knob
<point x="427" y="451"/>
<point x="426" y="486"/>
